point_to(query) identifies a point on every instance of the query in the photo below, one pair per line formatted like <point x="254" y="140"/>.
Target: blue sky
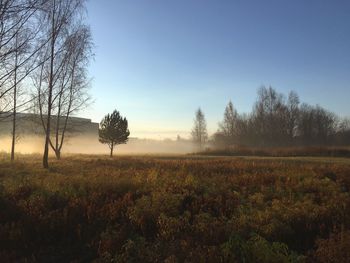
<point x="157" y="61"/>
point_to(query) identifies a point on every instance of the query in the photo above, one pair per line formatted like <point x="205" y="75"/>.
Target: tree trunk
<point x="58" y="154"/>
<point x="13" y="131"/>
<point x="49" y="103"/>
<point x="59" y="146"/>
<point x="111" y="154"/>
<point x="47" y="137"/>
<point x="13" y="137"/>
<point x="14" y="109"/>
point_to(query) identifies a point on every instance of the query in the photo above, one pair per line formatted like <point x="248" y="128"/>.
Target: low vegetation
<point x="175" y="209"/>
<point x="315" y="151"/>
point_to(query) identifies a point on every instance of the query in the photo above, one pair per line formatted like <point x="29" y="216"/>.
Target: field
<point x="175" y="209"/>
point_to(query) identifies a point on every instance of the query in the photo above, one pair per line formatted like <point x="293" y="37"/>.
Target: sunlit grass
<point x="188" y="208"/>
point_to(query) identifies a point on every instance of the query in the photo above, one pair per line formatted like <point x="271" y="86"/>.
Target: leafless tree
<point x="23" y="64"/>
<point x="61" y="17"/>
<point x="292" y="115"/>
<point x="228" y="127"/>
<point x="15" y="17"/>
<point x="72" y="93"/>
<point x="343" y="132"/>
<point x="270" y="117"/>
<point x="19" y="29"/>
<point x="316" y="125"/>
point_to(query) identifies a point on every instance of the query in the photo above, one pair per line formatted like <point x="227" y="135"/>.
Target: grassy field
<point x="175" y="209"/>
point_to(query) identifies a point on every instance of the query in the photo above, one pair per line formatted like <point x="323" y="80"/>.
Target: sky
<point x="157" y="61"/>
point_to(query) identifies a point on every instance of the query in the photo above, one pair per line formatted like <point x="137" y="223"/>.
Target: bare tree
<point x="72" y="95"/>
<point x="60" y="16"/>
<point x="199" y="131"/>
<point x="270" y="117"/>
<point x="14" y="112"/>
<point x="24" y="62"/>
<point x="343" y="132"/>
<point x="316" y="126"/>
<point x="229" y="124"/>
<point x="19" y="29"/>
<point x="16" y="16"/>
<point x="293" y="115"/>
<point x="275" y="121"/>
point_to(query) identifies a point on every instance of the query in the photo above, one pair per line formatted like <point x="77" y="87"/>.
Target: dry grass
<point x="315" y="151"/>
<point x="173" y="208"/>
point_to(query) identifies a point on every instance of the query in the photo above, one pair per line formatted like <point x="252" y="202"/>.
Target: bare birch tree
<point x="23" y="64"/>
<point x="19" y="29"/>
<point x="61" y="78"/>
<point x="72" y="93"/>
<point x="15" y="16"/>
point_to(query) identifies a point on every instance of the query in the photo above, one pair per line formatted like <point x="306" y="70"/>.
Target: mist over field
<point x="90" y="145"/>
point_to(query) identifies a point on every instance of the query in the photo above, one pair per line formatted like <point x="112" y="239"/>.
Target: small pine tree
<point x="113" y="130"/>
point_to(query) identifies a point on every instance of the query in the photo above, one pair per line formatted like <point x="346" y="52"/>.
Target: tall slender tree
<point x="60" y="16"/>
<point x="292" y="115"/>
<point x="14" y="112"/>
<point x="229" y="124"/>
<point x="19" y="48"/>
<point x="72" y="94"/>
<point x="199" y="131"/>
<point x="24" y="62"/>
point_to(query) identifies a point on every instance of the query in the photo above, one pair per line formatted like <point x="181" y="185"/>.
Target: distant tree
<point x="113" y="130"/>
<point x="246" y="131"/>
<point x="278" y="121"/>
<point x="316" y="126"/>
<point x="228" y="127"/>
<point x="343" y="132"/>
<point x="269" y="115"/>
<point x="293" y="115"/>
<point x="199" y="131"/>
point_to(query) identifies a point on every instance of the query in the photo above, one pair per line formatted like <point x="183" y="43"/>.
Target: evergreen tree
<point x="113" y="130"/>
<point x="199" y="131"/>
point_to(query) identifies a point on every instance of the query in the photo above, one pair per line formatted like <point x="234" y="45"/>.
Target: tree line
<point x="276" y="120"/>
<point x="45" y="48"/>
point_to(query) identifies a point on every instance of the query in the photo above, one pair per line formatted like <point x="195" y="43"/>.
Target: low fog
<point x="91" y="145"/>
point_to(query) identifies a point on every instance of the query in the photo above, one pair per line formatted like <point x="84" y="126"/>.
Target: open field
<point x="175" y="209"/>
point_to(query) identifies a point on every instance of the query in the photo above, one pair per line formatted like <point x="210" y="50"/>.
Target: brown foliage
<point x="174" y="209"/>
